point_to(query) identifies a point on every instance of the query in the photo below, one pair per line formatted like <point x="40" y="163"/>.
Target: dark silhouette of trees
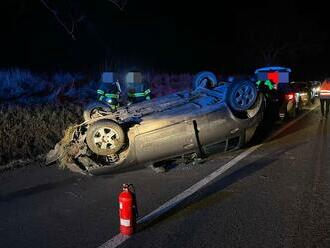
<point x="278" y="37"/>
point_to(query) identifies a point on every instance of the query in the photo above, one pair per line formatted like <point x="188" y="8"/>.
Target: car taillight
<point x="290" y="96"/>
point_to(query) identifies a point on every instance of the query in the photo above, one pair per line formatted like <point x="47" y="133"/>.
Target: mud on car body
<point x="213" y="117"/>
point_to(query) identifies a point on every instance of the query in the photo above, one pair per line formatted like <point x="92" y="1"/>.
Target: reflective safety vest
<point x="325" y="90"/>
<point x="110" y="98"/>
<point x="145" y="94"/>
<point x="267" y="83"/>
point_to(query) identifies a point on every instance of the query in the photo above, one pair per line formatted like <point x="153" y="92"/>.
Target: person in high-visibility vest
<point x="109" y="91"/>
<point x="325" y="98"/>
<point x="137" y="89"/>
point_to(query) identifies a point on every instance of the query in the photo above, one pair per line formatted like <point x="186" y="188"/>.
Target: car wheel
<point x="242" y="96"/>
<point x="204" y="79"/>
<point x="94" y="109"/>
<point x="105" y="137"/>
<point x="254" y="110"/>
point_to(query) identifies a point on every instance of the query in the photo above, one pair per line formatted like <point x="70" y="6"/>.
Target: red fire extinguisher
<point x="127" y="210"/>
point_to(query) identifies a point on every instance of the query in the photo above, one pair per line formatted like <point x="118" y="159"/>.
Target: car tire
<point x="91" y="111"/>
<point x="242" y="96"/>
<point x="204" y="79"/>
<point x="105" y="137"/>
<point x="259" y="104"/>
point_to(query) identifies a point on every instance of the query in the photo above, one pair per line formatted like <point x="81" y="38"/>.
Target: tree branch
<point x="70" y="31"/>
<point x="121" y="4"/>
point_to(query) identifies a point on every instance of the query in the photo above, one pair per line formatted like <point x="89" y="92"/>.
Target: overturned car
<point x="213" y="117"/>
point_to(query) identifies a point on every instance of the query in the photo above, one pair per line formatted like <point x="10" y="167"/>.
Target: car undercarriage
<point x="208" y="119"/>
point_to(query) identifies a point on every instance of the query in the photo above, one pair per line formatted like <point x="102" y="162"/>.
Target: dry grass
<point x="28" y="131"/>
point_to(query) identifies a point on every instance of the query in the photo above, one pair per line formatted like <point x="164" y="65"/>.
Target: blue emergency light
<point x="275" y="74"/>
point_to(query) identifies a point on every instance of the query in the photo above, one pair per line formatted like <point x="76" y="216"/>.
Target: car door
<point x="166" y="142"/>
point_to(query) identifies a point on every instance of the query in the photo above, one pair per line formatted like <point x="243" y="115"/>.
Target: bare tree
<point x="71" y="25"/>
<point x="267" y="39"/>
<point x="271" y="51"/>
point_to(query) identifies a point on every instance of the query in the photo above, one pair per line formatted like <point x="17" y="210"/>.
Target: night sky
<point x="223" y="36"/>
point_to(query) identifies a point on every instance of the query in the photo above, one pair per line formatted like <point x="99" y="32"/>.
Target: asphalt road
<point x="279" y="196"/>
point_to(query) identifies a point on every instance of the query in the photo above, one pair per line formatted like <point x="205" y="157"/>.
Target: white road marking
<point x="119" y="238"/>
<point x="115" y="241"/>
<point x="196" y="187"/>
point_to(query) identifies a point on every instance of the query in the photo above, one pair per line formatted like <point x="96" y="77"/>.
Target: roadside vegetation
<point x="28" y="131"/>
